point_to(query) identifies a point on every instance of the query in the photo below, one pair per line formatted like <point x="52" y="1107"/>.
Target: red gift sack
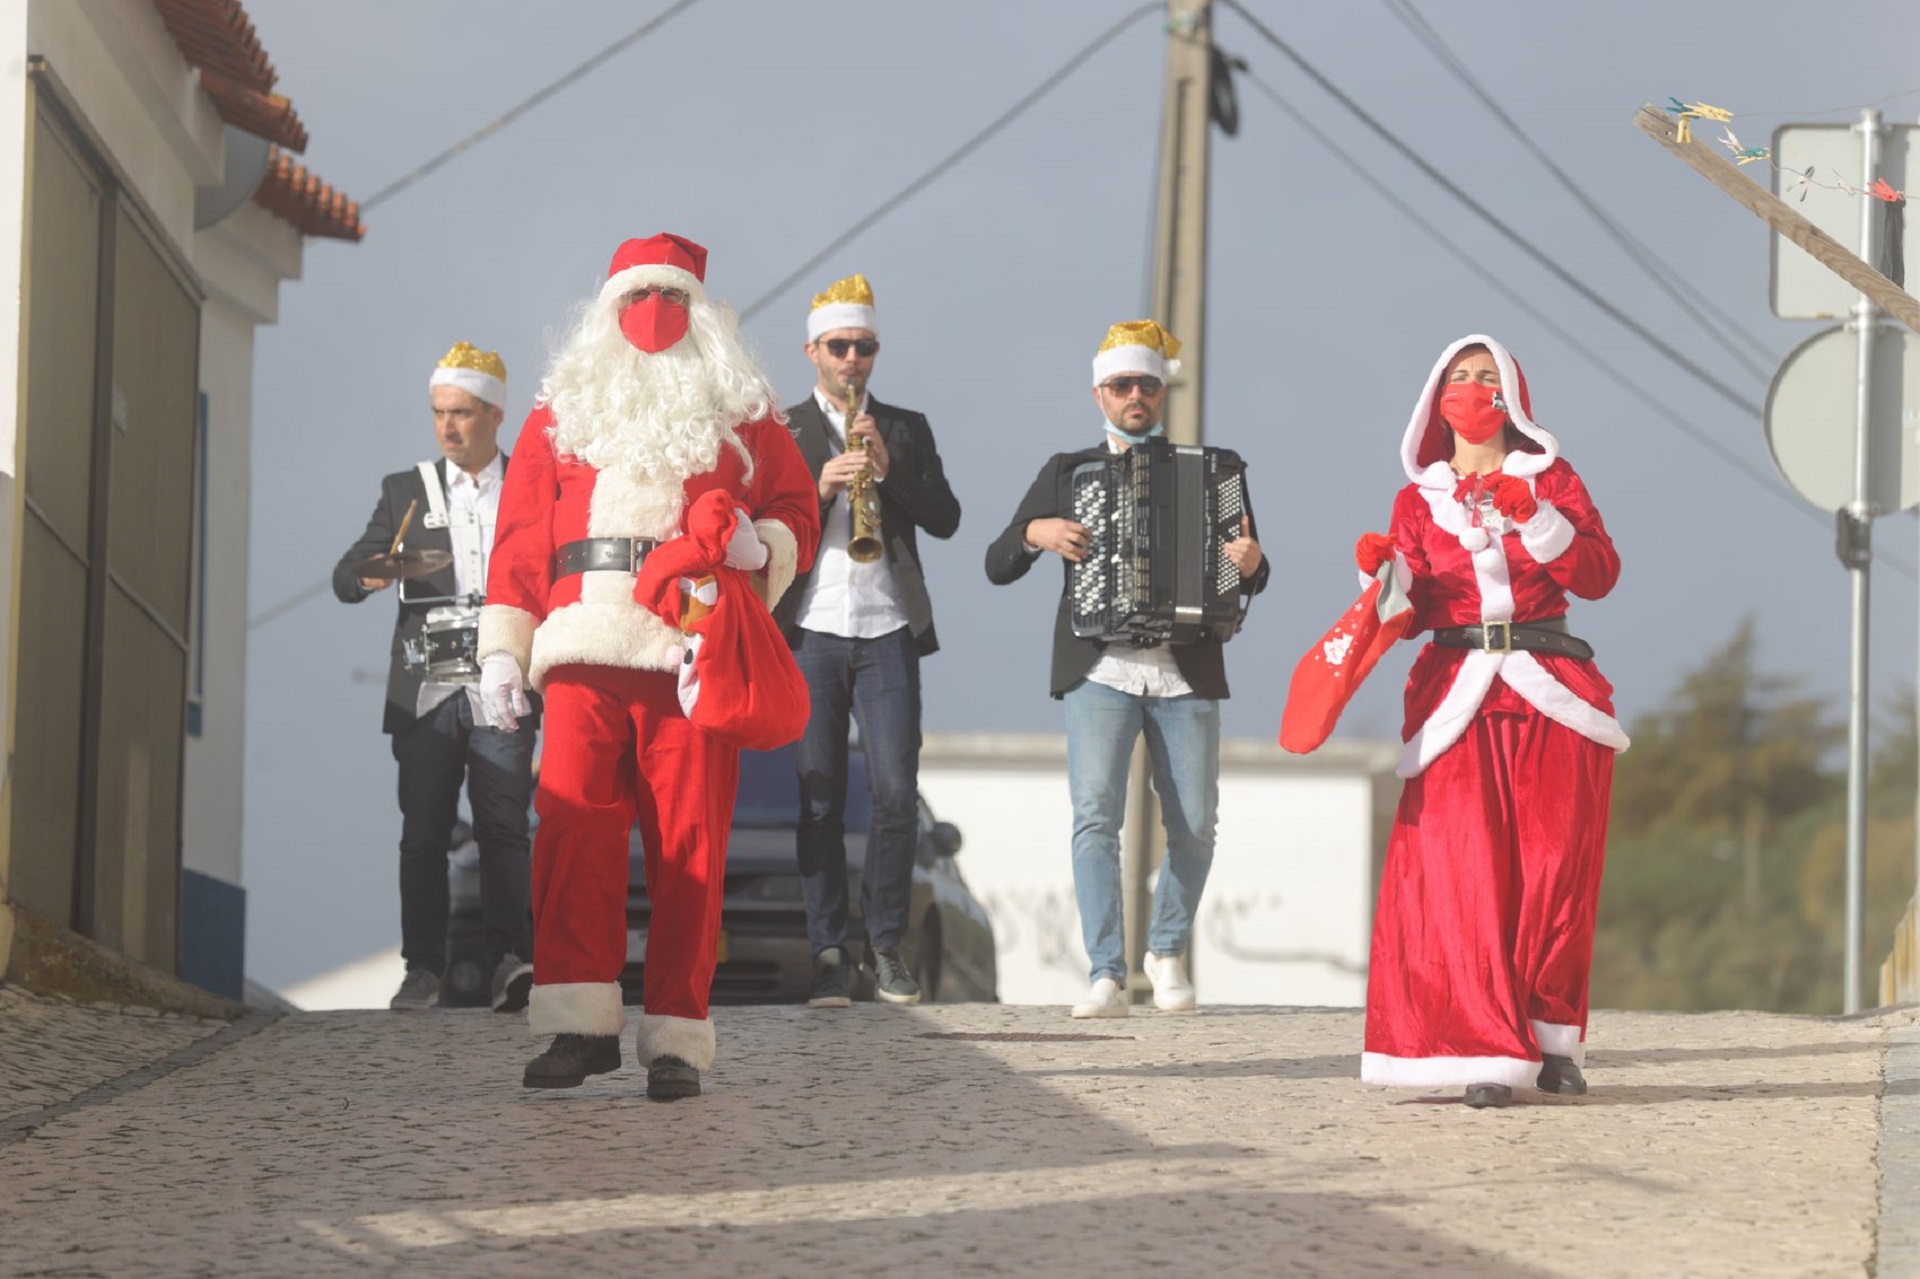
<point x="1326" y="679"/>
<point x="738" y="679"/>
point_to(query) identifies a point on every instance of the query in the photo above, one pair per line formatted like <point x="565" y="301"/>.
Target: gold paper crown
<point x="467" y="356"/>
<point x="1147" y="333"/>
<point x="854" y="289"/>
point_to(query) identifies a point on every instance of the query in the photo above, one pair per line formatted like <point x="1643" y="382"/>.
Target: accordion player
<point x="1156" y="571"/>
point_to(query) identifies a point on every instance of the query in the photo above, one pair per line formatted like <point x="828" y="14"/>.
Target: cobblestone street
<point x="968" y="1139"/>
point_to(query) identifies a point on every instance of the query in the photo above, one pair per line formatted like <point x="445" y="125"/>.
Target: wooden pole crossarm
<point x="1781" y="216"/>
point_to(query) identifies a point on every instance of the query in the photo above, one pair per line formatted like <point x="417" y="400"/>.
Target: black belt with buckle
<point x="598" y="554"/>
<point x="1548" y="635"/>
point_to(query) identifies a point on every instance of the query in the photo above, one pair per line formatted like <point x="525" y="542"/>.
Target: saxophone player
<point x="859" y="622"/>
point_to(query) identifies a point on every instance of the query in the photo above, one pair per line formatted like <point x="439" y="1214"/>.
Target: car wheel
<point x="926" y="963"/>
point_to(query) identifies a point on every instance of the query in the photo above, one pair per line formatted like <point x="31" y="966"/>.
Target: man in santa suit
<point x="1483" y="937"/>
<point x="651" y="402"/>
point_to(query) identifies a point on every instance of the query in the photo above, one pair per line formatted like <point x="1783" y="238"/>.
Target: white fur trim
<point x="506" y="629"/>
<point x="1534" y="682"/>
<point x="622" y="506"/>
<point x="484" y="385"/>
<point x="610" y="629"/>
<point x="658" y="274"/>
<point x="1439" y="1072"/>
<point x="1133" y="359"/>
<point x="783" y="559"/>
<point x="576" y="1008"/>
<point x="1547" y="535"/>
<point x="1561" y="1041"/>
<point x="1451" y="717"/>
<point x="689" y="1040"/>
<point x="839" y="315"/>
<point x="1518" y="463"/>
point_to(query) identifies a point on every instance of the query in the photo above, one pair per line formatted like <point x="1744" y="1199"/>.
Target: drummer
<point x="432" y="531"/>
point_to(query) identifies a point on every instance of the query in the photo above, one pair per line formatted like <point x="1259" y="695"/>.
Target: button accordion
<point x="1159" y="517"/>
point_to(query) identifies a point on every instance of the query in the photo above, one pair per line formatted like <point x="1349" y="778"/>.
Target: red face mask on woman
<point x="1475" y="412"/>
<point x="653" y="324"/>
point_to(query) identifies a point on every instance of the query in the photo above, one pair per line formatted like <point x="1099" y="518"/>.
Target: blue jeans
<point x="436" y="753"/>
<point x="877" y="682"/>
<point x="1183" y="744"/>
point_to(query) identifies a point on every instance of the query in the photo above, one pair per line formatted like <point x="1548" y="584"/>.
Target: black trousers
<point x="440" y="750"/>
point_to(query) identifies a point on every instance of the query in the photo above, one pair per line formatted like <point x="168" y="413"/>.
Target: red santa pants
<point x="618" y="748"/>
<point x="1483" y="938"/>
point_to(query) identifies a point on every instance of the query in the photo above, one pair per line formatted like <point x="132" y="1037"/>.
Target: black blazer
<point x="1202" y="663"/>
<point x="915" y="495"/>
<point x="396" y="491"/>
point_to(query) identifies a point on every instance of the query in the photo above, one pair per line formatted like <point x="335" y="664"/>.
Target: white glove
<point x="745" y="549"/>
<point x="503" y="695"/>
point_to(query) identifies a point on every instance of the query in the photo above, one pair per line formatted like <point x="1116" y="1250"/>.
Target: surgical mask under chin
<point x="653" y="324"/>
<point x="1158" y="428"/>
<point x="1475" y="412"/>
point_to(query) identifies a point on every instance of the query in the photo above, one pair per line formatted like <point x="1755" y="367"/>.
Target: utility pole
<point x="1180" y="305"/>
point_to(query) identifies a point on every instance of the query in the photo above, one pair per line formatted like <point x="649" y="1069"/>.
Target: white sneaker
<point x="1107" y="999"/>
<point x="1172" y="991"/>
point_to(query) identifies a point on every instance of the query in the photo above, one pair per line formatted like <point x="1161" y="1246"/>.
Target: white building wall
<point x="13" y="212"/>
<point x="1288" y="908"/>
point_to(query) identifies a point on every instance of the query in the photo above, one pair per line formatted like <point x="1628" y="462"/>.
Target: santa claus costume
<point x="651" y="402"/>
<point x="1483" y="935"/>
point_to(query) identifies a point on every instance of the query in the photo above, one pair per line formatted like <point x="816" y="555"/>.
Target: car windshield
<point x="769" y="797"/>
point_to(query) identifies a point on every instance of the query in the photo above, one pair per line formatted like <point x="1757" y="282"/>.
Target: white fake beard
<point x="658" y="416"/>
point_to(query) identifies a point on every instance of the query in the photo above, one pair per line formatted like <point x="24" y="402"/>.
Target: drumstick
<point x="405" y="520"/>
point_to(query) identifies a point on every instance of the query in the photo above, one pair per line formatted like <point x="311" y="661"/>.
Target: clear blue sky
<point x="764" y="129"/>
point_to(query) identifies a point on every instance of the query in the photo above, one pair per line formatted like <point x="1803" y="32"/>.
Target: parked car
<point x="764" y="954"/>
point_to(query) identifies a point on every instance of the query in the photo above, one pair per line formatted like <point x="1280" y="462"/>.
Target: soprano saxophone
<point x="863" y="501"/>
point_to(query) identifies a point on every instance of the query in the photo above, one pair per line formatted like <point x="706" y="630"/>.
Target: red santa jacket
<point x="592" y="618"/>
<point x="1458" y="573"/>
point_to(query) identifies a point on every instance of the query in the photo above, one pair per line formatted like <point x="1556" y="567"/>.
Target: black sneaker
<point x="570" y="1059"/>
<point x="830" y="988"/>
<point x="1559" y="1075"/>
<point x="420" y="990"/>
<point x="512" y="983"/>
<point x="670" y="1079"/>
<point x="891" y="980"/>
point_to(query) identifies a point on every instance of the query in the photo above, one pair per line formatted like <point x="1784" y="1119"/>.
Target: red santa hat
<point x="738" y="679"/>
<point x="665" y="260"/>
<point x="1428" y="444"/>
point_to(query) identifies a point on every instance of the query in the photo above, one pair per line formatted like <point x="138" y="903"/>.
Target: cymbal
<point x="403" y="564"/>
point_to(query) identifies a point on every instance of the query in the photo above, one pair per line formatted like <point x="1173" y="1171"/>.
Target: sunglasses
<point x="863" y="347"/>
<point x="1125" y="386"/>
<point x="672" y="297"/>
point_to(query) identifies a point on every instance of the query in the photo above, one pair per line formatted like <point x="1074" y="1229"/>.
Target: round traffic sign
<point x="1811" y="411"/>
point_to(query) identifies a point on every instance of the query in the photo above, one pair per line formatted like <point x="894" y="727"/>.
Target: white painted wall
<point x="1288" y="908"/>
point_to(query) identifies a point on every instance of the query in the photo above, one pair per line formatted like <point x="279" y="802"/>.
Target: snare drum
<point x="444" y="649"/>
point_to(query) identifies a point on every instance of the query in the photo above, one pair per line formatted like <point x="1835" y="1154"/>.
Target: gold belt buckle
<point x="1505" y="631"/>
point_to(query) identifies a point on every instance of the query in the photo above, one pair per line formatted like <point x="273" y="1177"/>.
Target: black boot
<point x="569" y="1059"/>
<point x="1560" y="1075"/>
<point x="669" y="1079"/>
<point x="1482" y="1096"/>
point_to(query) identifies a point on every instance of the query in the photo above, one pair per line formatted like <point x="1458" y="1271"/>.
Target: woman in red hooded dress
<point x="1483" y="937"/>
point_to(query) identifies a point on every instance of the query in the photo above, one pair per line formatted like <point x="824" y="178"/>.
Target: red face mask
<point x="1476" y="413"/>
<point x="653" y="324"/>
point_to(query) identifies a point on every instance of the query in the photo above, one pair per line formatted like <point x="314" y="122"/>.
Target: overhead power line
<point x="1720" y="451"/>
<point x="1719" y="327"/>
<point x="513" y="113"/>
<point x="1665" y="349"/>
<point x="953" y="158"/>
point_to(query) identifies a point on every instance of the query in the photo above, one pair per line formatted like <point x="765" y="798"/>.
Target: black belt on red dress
<point x="596" y="554"/>
<point x="1547" y="635"/>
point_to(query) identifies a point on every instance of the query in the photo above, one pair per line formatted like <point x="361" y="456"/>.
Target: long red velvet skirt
<point x="618" y="747"/>
<point x="1483" y="937"/>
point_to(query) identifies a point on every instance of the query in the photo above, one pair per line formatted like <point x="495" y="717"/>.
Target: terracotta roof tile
<point x="218" y="38"/>
<point x="290" y="191"/>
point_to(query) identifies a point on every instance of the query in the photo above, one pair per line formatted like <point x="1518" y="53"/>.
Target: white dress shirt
<point x="473" y="507"/>
<point x="845" y="597"/>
